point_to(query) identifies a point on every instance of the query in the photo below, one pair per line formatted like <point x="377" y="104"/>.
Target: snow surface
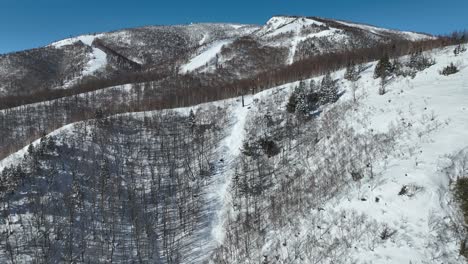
<point x="434" y="110"/>
<point x="205" y="56"/>
<point x="295" y="26"/>
<point x="15" y="157"/>
<point x="280" y="25"/>
<point x="86" y="39"/>
<point x="334" y="33"/>
<point x="229" y="149"/>
<point x="97" y="59"/>
<point x="376" y="30"/>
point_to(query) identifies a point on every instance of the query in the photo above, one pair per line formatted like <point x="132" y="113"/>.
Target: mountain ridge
<point x="172" y="47"/>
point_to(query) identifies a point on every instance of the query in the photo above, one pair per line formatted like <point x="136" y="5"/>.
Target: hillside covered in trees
<point x="306" y="140"/>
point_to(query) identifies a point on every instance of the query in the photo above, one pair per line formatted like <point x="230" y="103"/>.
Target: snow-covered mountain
<point x="231" y="50"/>
<point x="365" y="179"/>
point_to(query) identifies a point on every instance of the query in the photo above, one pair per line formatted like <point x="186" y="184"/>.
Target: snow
<point x="229" y="149"/>
<point x="436" y="107"/>
<point x="98" y="60"/>
<point x="433" y="111"/>
<point x="280" y="25"/>
<point x="333" y="33"/>
<point x="378" y="31"/>
<point x="86" y="39"/>
<point x="17" y="156"/>
<point x="205" y="56"/>
<point x="204" y="38"/>
<point x="295" y="26"/>
<point x="237" y="26"/>
<point x="421" y="154"/>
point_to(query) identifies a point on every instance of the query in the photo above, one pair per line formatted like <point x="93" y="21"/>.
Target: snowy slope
<point x="379" y="31"/>
<point x="86" y="39"/>
<point x="279" y="25"/>
<point x="188" y="47"/>
<point x="300" y="29"/>
<point x="433" y="109"/>
<point x="97" y="59"/>
<point x="430" y="110"/>
<point x="431" y="114"/>
<point x="206" y="55"/>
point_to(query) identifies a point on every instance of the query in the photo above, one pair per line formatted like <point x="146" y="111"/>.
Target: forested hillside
<point x="280" y="143"/>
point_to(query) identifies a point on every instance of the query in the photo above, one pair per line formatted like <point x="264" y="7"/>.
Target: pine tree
<point x="51" y="146"/>
<point x="302" y="106"/>
<point x="352" y="73"/>
<point x="292" y="102"/>
<point x="328" y="90"/>
<point x="419" y="62"/>
<point x="301" y="98"/>
<point x="451" y="69"/>
<point x="459" y="49"/>
<point x="31" y="150"/>
<point x="312" y="86"/>
<point x="384" y="68"/>
<point x="302" y="86"/>
<point x="192" y="120"/>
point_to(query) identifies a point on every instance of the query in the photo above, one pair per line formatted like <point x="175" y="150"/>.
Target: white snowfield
<point x="97" y="59"/>
<point x="205" y="56"/>
<point x="296" y="25"/>
<point x="280" y="25"/>
<point x="433" y="109"/>
<point x="86" y="39"/>
<point x="378" y="31"/>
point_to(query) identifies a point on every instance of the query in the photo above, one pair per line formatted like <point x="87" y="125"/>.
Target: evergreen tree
<point x="384" y="68"/>
<point x="192" y="119"/>
<point x="419" y="62"/>
<point x="352" y="73"/>
<point x="292" y="102"/>
<point x="312" y="86"/>
<point x="302" y="86"/>
<point x="451" y="69"/>
<point x="328" y="90"/>
<point x="459" y="49"/>
<point x="302" y="105"/>
<point x="31" y="150"/>
<point x="51" y="146"/>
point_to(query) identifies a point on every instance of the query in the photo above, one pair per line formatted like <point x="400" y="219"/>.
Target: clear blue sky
<point x="32" y="23"/>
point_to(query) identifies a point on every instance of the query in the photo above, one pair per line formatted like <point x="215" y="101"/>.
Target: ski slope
<point x="97" y="59"/>
<point x="205" y="56"/>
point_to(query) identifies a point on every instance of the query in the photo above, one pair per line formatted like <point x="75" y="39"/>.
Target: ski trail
<point x="230" y="149"/>
<point x="216" y="196"/>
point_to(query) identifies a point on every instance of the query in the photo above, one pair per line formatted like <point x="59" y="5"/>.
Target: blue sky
<point x="32" y="23"/>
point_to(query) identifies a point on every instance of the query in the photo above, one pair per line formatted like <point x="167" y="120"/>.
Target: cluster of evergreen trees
<point x="15" y="175"/>
<point x="305" y="99"/>
<point x="449" y="70"/>
<point x="386" y="68"/>
<point x="459" y="49"/>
